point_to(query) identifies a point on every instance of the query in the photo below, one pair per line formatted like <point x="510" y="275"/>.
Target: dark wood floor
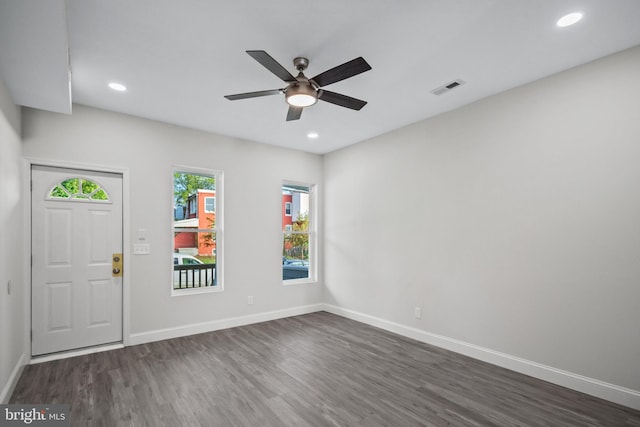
<point x="312" y="370"/>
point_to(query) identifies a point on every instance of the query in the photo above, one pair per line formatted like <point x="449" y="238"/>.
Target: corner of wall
<point x="12" y="278"/>
<point x="10" y="111"/>
<point x="7" y="390"/>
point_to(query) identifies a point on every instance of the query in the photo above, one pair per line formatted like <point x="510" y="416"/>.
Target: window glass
<point x="196" y="234"/>
<point x="209" y="204"/>
<point x="78" y="189"/>
<point x="297" y="234"/>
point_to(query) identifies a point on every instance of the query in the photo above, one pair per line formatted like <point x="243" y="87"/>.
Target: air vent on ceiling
<point x="447" y="87"/>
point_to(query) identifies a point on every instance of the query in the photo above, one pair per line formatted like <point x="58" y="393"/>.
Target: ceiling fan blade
<point x="272" y="65"/>
<point x="253" y="94"/>
<point x="341" y="72"/>
<point x="294" y="113"/>
<point x="341" y="100"/>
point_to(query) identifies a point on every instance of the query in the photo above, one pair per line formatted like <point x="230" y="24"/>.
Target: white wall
<point x="253" y="175"/>
<point x="513" y="223"/>
<point x="12" y="307"/>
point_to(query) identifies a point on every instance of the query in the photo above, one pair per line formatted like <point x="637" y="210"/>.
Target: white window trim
<point x="285" y="208"/>
<point x="218" y="229"/>
<point x="313" y="245"/>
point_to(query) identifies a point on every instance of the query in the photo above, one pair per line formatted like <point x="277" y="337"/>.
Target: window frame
<point x="218" y="229"/>
<point x="312" y="232"/>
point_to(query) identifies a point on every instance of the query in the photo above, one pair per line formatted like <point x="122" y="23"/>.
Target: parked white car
<point x="184" y="259"/>
<point x="190" y="272"/>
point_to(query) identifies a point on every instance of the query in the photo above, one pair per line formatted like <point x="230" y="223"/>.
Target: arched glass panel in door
<point x="78" y="189"/>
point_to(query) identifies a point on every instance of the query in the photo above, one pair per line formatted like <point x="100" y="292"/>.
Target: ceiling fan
<point x="303" y="92"/>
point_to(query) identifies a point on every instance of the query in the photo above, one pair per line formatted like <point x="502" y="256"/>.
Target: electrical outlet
<point x="417" y="312"/>
<point x="250" y="300"/>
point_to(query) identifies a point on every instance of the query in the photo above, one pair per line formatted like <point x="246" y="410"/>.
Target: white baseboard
<point x="13" y="379"/>
<point x="231" y="322"/>
<point x="611" y="392"/>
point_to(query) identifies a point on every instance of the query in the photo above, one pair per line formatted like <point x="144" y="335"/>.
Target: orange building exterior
<point x="287" y="217"/>
<point x="199" y="214"/>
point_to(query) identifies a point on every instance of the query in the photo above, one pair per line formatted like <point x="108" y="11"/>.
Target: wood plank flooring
<point x="312" y="370"/>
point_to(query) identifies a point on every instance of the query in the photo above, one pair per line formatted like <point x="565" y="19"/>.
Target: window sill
<point x="196" y="291"/>
<point x="299" y="282"/>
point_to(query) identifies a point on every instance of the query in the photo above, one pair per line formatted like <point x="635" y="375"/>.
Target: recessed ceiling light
<point x="569" y="19"/>
<point x="312" y="135"/>
<point x="117" y="86"/>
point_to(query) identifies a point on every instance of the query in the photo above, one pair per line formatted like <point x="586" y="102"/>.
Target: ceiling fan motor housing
<point x="301" y="93"/>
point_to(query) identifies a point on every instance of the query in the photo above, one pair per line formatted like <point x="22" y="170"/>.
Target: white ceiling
<point x="179" y="58"/>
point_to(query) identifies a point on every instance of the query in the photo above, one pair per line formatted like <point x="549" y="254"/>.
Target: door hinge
<point x="32" y="335"/>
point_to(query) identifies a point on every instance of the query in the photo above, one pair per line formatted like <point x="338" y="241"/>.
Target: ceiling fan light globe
<point x="301" y="100"/>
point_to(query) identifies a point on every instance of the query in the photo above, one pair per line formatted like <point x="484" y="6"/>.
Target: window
<point x="78" y="189"/>
<point x="298" y="242"/>
<point x="193" y="207"/>
<point x="197" y="234"/>
<point x="209" y="204"/>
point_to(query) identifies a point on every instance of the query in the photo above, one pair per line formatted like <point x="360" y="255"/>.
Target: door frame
<point x="28" y="162"/>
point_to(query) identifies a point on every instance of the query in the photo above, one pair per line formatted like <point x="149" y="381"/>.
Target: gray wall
<point x="12" y="307"/>
<point x="253" y="175"/>
<point x="513" y="223"/>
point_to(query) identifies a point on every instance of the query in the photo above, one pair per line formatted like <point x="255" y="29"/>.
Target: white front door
<point x="76" y="228"/>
